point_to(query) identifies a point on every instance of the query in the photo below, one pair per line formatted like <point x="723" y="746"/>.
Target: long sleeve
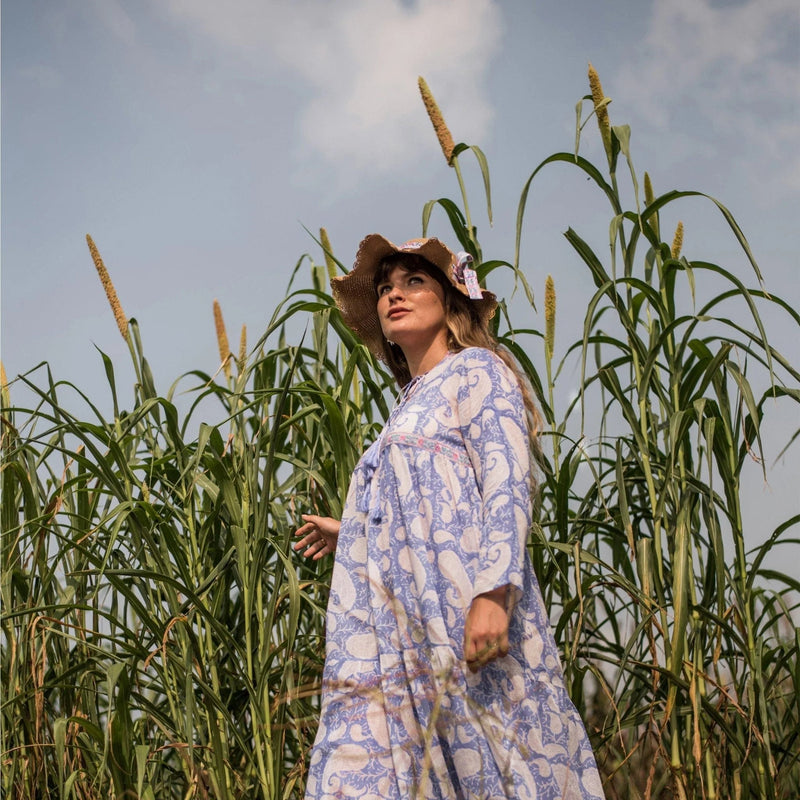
<point x="492" y="421"/>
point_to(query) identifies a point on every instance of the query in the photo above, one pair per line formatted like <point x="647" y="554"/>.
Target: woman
<point x="442" y="678"/>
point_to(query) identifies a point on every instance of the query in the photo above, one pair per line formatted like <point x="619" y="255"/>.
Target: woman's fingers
<point x="311" y="535"/>
<point x="311" y="547"/>
<point x="486" y="630"/>
<point x="319" y="536"/>
<point x="316" y="548"/>
<point x="480" y="653"/>
<point x="322" y="550"/>
<point x="306" y="529"/>
<point x="313" y="542"/>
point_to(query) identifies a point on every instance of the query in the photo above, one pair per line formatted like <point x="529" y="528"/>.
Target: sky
<point x="196" y="141"/>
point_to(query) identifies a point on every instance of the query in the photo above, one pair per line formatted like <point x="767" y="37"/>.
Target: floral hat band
<point x="355" y="292"/>
<point x="466" y="275"/>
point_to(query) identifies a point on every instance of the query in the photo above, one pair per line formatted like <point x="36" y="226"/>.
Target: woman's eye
<point x="382" y="290"/>
<point x="415" y="279"/>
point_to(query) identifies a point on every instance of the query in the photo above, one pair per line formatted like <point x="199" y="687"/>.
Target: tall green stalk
<point x="160" y="639"/>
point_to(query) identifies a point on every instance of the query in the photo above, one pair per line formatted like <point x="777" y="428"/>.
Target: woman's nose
<point x="395" y="293"/>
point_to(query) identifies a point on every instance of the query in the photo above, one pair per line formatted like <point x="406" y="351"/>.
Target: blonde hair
<point x="465" y="328"/>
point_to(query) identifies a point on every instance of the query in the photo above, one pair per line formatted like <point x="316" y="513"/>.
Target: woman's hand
<point x="486" y="629"/>
<point x="320" y="535"/>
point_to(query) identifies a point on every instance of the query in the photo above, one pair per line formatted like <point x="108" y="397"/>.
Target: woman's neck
<point x="420" y="363"/>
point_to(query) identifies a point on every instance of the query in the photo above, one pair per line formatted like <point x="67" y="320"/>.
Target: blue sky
<point x="194" y="139"/>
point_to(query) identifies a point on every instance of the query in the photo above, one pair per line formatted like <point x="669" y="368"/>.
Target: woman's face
<point x="411" y="309"/>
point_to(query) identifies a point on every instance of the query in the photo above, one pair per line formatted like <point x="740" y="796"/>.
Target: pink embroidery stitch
<point x="431" y="446"/>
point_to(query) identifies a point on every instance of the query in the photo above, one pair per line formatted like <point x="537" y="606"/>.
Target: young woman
<point x="442" y="678"/>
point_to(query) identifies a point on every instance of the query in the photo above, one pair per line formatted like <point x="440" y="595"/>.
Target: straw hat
<point x="355" y="292"/>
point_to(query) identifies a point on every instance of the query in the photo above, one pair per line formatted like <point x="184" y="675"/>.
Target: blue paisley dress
<point x="438" y="511"/>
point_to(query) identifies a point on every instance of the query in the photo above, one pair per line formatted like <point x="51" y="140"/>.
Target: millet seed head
<point x="243" y="347"/>
<point x="601" y="110"/>
<point x="222" y="339"/>
<point x="677" y="241"/>
<point x="439" y="126"/>
<point x="108" y="286"/>
<point x="327" y="251"/>
<point x="549" y="315"/>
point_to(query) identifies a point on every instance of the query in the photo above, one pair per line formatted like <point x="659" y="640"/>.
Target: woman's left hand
<point x="486" y="629"/>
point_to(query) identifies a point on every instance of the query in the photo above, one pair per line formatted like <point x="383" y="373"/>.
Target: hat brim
<point x="354" y="293"/>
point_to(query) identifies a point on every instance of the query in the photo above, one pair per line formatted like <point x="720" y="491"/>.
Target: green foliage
<point x="161" y="640"/>
<point x="159" y="635"/>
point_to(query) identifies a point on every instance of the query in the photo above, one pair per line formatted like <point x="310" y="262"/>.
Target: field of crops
<point x="160" y="639"/>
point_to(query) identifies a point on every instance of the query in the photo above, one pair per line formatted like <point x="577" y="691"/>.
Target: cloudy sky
<point x="194" y="140"/>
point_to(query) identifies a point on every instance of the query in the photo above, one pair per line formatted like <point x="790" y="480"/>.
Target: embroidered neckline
<point x="408" y="389"/>
<point x="411" y="386"/>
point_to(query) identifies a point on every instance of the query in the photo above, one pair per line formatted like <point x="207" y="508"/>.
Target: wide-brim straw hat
<point x="355" y="295"/>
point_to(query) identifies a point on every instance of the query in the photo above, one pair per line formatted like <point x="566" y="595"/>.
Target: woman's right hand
<point x="320" y="535"/>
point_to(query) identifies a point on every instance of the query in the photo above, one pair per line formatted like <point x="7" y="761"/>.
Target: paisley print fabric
<point x="438" y="511"/>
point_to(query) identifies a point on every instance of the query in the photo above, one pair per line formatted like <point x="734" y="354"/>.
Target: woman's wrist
<point x="499" y="594"/>
<point x="502" y="595"/>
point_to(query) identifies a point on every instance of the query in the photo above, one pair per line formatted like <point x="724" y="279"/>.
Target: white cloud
<point x="361" y="60"/>
<point x="115" y="18"/>
<point x="735" y="65"/>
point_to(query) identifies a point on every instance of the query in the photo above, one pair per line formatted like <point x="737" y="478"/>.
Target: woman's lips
<point x="396" y="311"/>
